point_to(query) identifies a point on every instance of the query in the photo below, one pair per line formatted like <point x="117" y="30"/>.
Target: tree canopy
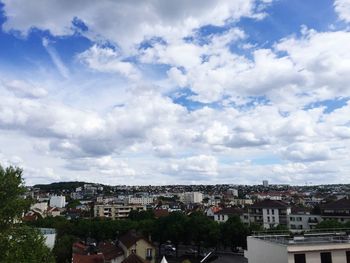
<point x="18" y="243"/>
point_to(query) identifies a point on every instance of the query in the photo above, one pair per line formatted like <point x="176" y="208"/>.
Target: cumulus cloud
<point x="110" y="19"/>
<point x="342" y="7"/>
<point x="106" y="59"/>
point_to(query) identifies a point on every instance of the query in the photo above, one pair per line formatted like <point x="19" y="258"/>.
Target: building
<point x="309" y="248"/>
<point x="232" y="192"/>
<point x="140" y="200"/>
<point x="302" y="219"/>
<point x="338" y="210"/>
<point x="269" y="213"/>
<point x="265" y="183"/>
<point x="58" y="201"/>
<point x="224" y="214"/>
<point x="116" y="211"/>
<point x="111" y="252"/>
<point x="134" y="243"/>
<point x="49" y="235"/>
<point x="191" y="197"/>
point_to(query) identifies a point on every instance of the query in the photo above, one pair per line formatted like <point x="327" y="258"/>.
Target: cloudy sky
<point x="186" y="91"/>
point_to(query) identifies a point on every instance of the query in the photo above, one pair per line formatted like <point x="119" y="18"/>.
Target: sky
<point x="161" y="92"/>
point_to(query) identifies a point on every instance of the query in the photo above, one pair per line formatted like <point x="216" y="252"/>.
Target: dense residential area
<point x="144" y="223"/>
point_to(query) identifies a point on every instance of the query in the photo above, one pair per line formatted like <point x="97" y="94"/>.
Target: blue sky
<point x="142" y="92"/>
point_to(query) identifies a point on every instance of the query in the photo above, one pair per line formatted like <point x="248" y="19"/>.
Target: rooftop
<point x="334" y="237"/>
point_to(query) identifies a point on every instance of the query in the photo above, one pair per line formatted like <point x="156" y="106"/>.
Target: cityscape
<point x="174" y="131"/>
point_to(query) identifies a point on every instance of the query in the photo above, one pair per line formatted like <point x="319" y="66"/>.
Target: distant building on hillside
<point x="191" y="197"/>
<point x="265" y="183"/>
<point x="116" y="211"/>
<point x="58" y="201"/>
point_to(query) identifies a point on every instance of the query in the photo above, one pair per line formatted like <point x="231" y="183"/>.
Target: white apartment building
<point x="116" y="211"/>
<point x="310" y="248"/>
<point x="191" y="197"/>
<point x="269" y="213"/>
<point x="144" y="200"/>
<point x="58" y="201"/>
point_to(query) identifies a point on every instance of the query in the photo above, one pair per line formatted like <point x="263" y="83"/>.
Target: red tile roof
<point x="110" y="251"/>
<point x="96" y="258"/>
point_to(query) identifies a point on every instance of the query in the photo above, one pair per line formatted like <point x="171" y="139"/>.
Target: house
<point x="302" y="219"/>
<point x="269" y="213"/>
<point x="223" y="215"/>
<point x="310" y="247"/>
<point x="111" y="252"/>
<point x="133" y="258"/>
<point x="134" y="243"/>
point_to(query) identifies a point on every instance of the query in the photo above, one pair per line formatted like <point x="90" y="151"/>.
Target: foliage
<point x="24" y="244"/>
<point x="63" y="248"/>
<point x="234" y="232"/>
<point x="329" y="224"/>
<point x="11" y="191"/>
<point x="18" y="243"/>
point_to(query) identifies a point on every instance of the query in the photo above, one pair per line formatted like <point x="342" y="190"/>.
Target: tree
<point x="63" y="249"/>
<point x="329" y="224"/>
<point x="18" y="243"/>
<point x="11" y="191"/>
<point x="234" y="232"/>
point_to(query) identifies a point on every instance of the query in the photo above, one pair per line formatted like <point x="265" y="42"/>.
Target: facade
<point x="58" y="201"/>
<point x="134" y="243"/>
<point x="191" y="197"/>
<point x="303" y="221"/>
<point x="141" y="200"/>
<point x="338" y="210"/>
<point x="310" y="248"/>
<point x="265" y="183"/>
<point x="49" y="235"/>
<point x="223" y="215"/>
<point x="116" y="211"/>
<point x="269" y="213"/>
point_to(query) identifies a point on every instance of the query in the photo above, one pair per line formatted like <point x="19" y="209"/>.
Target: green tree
<point x="234" y="233"/>
<point x="329" y="224"/>
<point x="18" y="243"/>
<point x="63" y="249"/>
<point x="11" y="191"/>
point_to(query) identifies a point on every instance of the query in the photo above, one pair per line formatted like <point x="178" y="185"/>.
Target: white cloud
<point x="56" y="59"/>
<point x="106" y="59"/>
<point x="342" y="7"/>
<point x="24" y="89"/>
<point x="124" y="22"/>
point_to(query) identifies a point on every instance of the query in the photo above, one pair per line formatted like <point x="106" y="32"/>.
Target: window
<point x="268" y="211"/>
<point x="273" y="211"/>
<point x="268" y="219"/>
<point x="273" y="219"/>
<point x="326" y="257"/>
<point x="149" y="253"/>
<point x="347" y="256"/>
<point x="292" y="219"/>
<point x="299" y="258"/>
<point x="299" y="218"/>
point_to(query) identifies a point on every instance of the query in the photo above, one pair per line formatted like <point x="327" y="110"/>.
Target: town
<point x="129" y="223"/>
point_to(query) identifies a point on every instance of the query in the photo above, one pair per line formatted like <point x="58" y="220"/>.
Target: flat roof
<point x="340" y="237"/>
